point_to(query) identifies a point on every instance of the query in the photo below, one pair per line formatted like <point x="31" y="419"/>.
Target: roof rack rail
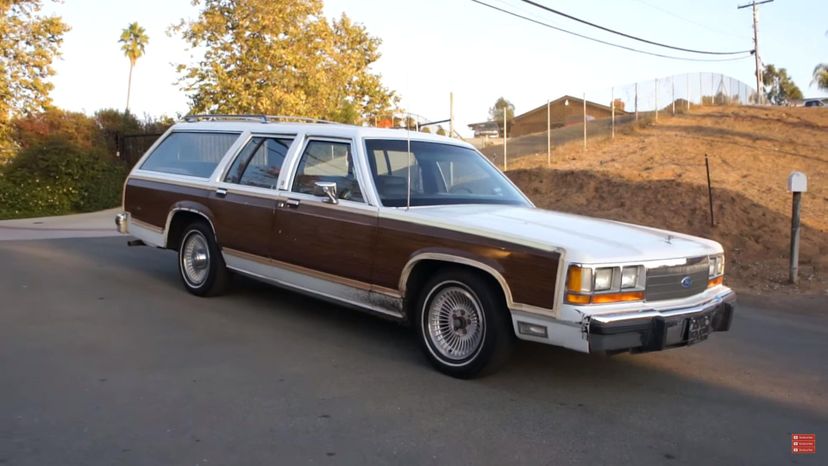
<point x="259" y="118"/>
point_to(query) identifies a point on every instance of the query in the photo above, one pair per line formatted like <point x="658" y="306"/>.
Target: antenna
<point x="408" y="151"/>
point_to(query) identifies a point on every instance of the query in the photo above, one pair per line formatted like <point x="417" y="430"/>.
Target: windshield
<point x="440" y="174"/>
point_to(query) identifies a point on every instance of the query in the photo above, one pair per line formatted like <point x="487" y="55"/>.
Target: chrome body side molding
<point x="339" y="290"/>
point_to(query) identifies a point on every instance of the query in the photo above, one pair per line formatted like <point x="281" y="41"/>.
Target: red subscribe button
<point x="803" y="444"/>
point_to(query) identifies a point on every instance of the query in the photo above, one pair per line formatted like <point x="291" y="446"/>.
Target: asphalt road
<point x="105" y="359"/>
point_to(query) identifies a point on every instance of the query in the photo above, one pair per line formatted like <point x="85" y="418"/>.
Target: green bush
<point x="56" y="177"/>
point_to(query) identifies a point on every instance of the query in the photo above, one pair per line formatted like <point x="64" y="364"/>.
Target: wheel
<point x="463" y="325"/>
<point x="200" y="263"/>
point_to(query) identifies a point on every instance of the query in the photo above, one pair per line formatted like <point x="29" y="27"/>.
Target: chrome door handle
<point x="292" y="203"/>
<point x="221" y="192"/>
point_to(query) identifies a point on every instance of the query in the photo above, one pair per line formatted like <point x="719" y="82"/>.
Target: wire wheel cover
<point x="456" y="323"/>
<point x="195" y="258"/>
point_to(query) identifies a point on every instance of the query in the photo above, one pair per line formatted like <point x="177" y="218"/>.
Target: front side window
<point x="440" y="174"/>
<point x="192" y="154"/>
<point x="259" y="162"/>
<point x="328" y="161"/>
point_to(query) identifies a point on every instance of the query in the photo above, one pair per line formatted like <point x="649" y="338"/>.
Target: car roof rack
<point x="259" y="118"/>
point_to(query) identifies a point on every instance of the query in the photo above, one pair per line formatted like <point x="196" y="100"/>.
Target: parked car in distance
<point x="418" y="228"/>
<point x="814" y="103"/>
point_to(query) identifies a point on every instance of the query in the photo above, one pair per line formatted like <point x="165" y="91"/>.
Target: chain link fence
<point x="599" y="113"/>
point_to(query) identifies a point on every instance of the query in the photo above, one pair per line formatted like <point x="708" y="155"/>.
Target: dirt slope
<point x="655" y="175"/>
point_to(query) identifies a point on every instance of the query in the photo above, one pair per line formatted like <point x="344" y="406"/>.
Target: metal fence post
<point x="673" y="91"/>
<point x="548" y="135"/>
<point x="656" y="99"/>
<point x="712" y="89"/>
<point x="612" y="107"/>
<point x="687" y="82"/>
<point x="636" y="101"/>
<point x="505" y="139"/>
<point x="585" y="121"/>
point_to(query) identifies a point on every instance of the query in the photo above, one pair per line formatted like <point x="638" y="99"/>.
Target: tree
<point x="500" y="107"/>
<point x="821" y="76"/>
<point x="441" y="131"/>
<point x="133" y="40"/>
<point x="779" y="87"/>
<point x="29" y="42"/>
<point x="496" y="112"/>
<point x="282" y="58"/>
<point x="75" y="128"/>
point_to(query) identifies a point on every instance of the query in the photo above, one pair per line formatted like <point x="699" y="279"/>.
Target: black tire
<point x="460" y="290"/>
<point x="198" y="243"/>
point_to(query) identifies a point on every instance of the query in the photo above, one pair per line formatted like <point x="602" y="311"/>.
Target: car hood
<point x="583" y="239"/>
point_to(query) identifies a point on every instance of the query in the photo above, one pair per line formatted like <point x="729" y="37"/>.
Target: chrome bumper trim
<point x="122" y="222"/>
<point x="727" y="295"/>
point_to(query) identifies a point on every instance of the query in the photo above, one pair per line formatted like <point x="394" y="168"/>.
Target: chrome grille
<point x="666" y="282"/>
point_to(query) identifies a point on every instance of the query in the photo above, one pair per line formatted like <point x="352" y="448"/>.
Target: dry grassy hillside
<point x="654" y="175"/>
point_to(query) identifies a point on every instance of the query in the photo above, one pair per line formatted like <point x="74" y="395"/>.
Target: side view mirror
<point x="326" y="189"/>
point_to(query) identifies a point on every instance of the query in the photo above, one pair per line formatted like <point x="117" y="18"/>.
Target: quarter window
<point x="259" y="163"/>
<point x="328" y="161"/>
<point x="192" y="154"/>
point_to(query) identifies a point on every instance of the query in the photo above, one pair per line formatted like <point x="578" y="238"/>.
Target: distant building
<point x="563" y="111"/>
<point x="485" y="129"/>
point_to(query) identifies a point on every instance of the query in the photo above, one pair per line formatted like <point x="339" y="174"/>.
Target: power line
<point x="582" y="36"/>
<point x="688" y="20"/>
<point x="629" y="36"/>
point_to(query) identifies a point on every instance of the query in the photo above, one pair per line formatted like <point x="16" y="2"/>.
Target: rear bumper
<point x="122" y="222"/>
<point x="658" y="330"/>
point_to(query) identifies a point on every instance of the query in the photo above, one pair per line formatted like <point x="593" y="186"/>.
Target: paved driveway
<point x="88" y="225"/>
<point x="104" y="359"/>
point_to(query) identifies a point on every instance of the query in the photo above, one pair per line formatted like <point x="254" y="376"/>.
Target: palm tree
<point x="821" y="76"/>
<point x="133" y="39"/>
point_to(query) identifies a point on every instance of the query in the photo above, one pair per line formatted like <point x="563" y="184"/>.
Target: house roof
<point x="570" y="98"/>
<point x="483" y="125"/>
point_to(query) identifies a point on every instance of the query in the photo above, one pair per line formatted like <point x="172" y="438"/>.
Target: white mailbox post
<point x="797" y="184"/>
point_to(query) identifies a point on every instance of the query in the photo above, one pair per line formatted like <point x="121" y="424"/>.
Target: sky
<point x="431" y="48"/>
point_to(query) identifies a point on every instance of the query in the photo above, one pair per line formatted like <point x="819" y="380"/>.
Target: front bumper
<point x="658" y="330"/>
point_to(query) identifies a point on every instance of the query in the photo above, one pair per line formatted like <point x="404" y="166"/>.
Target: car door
<point x="245" y="199"/>
<point x="332" y="242"/>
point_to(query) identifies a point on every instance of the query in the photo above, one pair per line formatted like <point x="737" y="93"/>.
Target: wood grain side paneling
<point x="530" y="273"/>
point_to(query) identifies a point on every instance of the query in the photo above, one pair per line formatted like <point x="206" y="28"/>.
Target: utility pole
<point x="756" y="45"/>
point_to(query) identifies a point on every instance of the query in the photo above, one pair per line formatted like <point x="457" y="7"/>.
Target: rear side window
<point x="192" y="154"/>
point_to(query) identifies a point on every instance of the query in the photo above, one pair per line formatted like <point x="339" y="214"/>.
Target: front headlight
<point x="598" y="285"/>
<point x="715" y="270"/>
<point x="603" y="279"/>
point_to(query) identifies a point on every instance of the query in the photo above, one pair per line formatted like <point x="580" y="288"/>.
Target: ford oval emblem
<point x="687" y="282"/>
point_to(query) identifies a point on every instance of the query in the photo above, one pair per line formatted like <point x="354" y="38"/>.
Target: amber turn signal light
<point x="715" y="281"/>
<point x="573" y="298"/>
<point x="618" y="297"/>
